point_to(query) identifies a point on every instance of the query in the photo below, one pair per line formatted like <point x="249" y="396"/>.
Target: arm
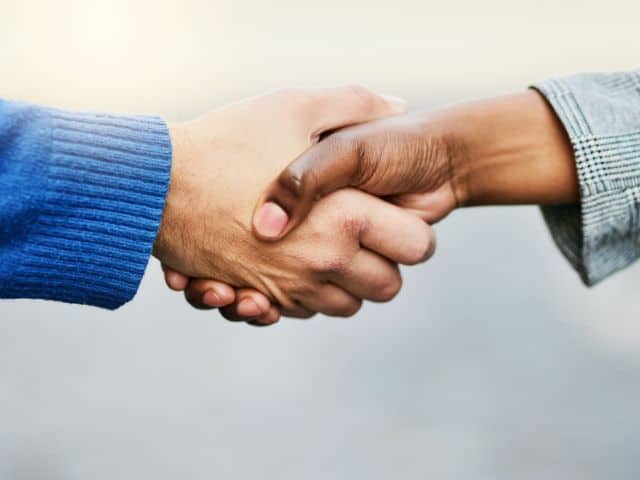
<point x="512" y="150"/>
<point x="84" y="195"/>
<point x="81" y="198"/>
<point x="505" y="150"/>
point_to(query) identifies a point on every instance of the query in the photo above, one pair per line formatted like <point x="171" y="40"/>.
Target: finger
<point x="396" y="234"/>
<point x="333" y="301"/>
<point x="207" y="294"/>
<point x="269" y="318"/>
<point x="431" y="207"/>
<point x="297" y="311"/>
<point x="249" y="304"/>
<point x="334" y="108"/>
<point x="371" y="277"/>
<point x="175" y="280"/>
<point x="325" y="168"/>
<point x="231" y="314"/>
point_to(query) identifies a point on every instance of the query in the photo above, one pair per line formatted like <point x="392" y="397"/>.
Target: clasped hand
<point x="346" y="250"/>
<point x="306" y="201"/>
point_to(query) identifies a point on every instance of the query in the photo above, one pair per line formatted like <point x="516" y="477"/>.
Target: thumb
<point x="332" y="164"/>
<point x="320" y="170"/>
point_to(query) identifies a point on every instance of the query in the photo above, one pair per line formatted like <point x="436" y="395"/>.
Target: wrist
<point x="509" y="150"/>
<point x="177" y="134"/>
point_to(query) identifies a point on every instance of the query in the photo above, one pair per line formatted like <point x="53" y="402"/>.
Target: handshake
<point x="306" y="201"/>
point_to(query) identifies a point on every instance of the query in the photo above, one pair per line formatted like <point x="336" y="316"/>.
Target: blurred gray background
<point x="493" y="363"/>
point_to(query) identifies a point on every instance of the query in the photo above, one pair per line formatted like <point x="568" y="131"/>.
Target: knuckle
<point x="299" y="181"/>
<point x="357" y="146"/>
<point x="296" y="290"/>
<point x="334" y="265"/>
<point x="352" y="225"/>
<point x="349" y="143"/>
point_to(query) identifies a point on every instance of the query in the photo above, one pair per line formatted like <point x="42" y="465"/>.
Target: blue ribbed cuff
<point x="106" y="182"/>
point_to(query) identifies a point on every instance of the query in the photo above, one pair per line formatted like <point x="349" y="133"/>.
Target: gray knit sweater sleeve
<point x="601" y="113"/>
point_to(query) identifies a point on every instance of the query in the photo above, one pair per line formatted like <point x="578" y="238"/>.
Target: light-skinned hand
<point x="345" y="251"/>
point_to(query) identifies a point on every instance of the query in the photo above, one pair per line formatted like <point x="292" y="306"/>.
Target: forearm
<point x="572" y="146"/>
<point x="509" y="150"/>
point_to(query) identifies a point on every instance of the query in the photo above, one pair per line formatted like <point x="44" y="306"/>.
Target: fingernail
<point x="248" y="308"/>
<point x="398" y="105"/>
<point x="270" y="220"/>
<point x="211" y="298"/>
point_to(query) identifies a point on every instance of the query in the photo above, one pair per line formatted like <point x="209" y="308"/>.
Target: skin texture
<point x="341" y="254"/>
<point x="507" y="150"/>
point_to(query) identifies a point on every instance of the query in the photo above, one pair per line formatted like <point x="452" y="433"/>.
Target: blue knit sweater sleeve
<point x="81" y="198"/>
